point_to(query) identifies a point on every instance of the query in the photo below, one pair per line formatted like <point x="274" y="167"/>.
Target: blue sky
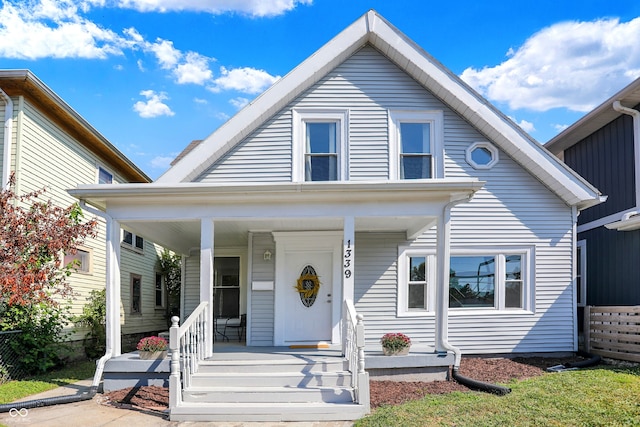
<point x="152" y="75"/>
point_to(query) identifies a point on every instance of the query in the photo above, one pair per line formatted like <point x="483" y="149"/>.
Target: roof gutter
<point x="8" y="130"/>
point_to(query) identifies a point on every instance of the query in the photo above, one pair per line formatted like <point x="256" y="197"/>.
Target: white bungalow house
<point x="368" y="181"/>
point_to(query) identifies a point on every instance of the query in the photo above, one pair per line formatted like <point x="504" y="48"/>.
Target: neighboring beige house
<point x="47" y="144"/>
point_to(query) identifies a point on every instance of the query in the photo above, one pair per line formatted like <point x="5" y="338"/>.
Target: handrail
<point x="353" y="349"/>
<point x="187" y="344"/>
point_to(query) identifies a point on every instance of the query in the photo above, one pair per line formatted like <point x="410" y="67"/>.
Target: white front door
<point x="308" y="312"/>
<point x="305" y="318"/>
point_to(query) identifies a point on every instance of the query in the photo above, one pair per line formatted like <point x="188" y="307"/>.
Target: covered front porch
<point x="283" y="234"/>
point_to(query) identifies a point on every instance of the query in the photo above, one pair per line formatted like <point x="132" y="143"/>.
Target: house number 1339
<point x="348" y="260"/>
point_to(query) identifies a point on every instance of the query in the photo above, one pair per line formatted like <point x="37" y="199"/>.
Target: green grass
<point x="13" y="390"/>
<point x="602" y="396"/>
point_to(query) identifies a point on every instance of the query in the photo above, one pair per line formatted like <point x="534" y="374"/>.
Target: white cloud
<point x="255" y="8"/>
<point x="239" y="102"/>
<point x="161" y="162"/>
<point x="525" y="125"/>
<point x="246" y="80"/>
<point x="200" y="101"/>
<point x="167" y="55"/>
<point x="194" y="69"/>
<point x="153" y="106"/>
<point x="559" y="127"/>
<point x="575" y="65"/>
<point x="54" y="29"/>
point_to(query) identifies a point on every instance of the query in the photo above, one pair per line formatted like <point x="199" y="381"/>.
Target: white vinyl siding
<point x="262" y="302"/>
<point x="367" y="85"/>
<point x="513" y="210"/>
<point x="191" y="289"/>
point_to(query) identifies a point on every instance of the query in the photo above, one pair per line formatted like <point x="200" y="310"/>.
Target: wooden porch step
<point x="267" y="394"/>
<point x="267" y="412"/>
<point x="274" y="379"/>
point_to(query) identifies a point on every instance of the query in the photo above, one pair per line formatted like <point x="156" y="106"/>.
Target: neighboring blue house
<point x="604" y="148"/>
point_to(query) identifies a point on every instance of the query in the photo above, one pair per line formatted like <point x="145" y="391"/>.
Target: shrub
<point x="93" y="316"/>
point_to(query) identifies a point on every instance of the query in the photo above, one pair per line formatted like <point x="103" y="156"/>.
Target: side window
<point x="159" y="290"/>
<point x="134" y="241"/>
<point x="581" y="273"/>
<point x="104" y="176"/>
<point x="319" y="146"/>
<point x="81" y="260"/>
<point x="136" y="294"/>
<point x="415" y="141"/>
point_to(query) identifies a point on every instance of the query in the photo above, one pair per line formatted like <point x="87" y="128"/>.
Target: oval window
<point x="308" y="286"/>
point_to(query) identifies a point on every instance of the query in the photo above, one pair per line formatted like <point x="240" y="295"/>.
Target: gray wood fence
<point x="613" y="332"/>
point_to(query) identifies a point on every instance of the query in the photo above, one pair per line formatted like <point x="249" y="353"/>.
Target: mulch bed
<point x="488" y="369"/>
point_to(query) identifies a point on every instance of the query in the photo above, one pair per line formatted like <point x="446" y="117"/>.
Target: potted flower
<point x="152" y="348"/>
<point x="395" y="343"/>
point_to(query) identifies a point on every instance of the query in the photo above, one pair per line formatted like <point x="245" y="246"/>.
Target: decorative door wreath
<point x="308" y="286"/>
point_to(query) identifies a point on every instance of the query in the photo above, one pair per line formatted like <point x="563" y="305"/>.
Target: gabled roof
<point x="374" y="30"/>
<point x="25" y="83"/>
<point x="597" y="118"/>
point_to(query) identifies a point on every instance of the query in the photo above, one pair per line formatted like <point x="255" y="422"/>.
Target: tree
<point x="170" y="266"/>
<point x="35" y="235"/>
<point x="33" y="239"/>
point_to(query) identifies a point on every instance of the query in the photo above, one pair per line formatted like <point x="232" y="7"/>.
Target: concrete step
<point x="274" y="379"/>
<point x="267" y="394"/>
<point x="268" y="412"/>
<point x="329" y="364"/>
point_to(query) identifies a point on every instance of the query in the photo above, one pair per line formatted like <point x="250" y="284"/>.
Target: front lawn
<point x="601" y="396"/>
<point x="13" y="390"/>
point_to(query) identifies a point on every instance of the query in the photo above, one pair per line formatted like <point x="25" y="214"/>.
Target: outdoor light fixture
<point x="267" y="255"/>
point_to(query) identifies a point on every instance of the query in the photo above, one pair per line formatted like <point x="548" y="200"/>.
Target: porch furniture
<point x="218" y="323"/>
<point x="239" y="326"/>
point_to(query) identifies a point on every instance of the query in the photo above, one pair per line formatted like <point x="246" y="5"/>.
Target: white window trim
<point x="302" y="116"/>
<point x="582" y="244"/>
<point x="404" y="252"/>
<point x="106" y="169"/>
<point x="528" y="284"/>
<point x="528" y="275"/>
<point x="436" y="119"/>
<point x="489" y="147"/>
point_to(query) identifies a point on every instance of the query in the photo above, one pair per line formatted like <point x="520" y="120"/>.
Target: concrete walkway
<point x="92" y="413"/>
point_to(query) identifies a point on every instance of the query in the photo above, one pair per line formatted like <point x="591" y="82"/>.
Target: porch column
<point x="443" y="253"/>
<point x="206" y="279"/>
<point x="348" y="259"/>
<point x="113" y="293"/>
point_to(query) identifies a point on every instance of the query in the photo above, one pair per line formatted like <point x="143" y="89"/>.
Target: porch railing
<point x="353" y="348"/>
<point x="187" y="345"/>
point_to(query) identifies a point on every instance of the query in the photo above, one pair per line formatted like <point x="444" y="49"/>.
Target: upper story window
<point x="104" y="176"/>
<point x="415" y="139"/>
<point x="132" y="240"/>
<point x="321" y="152"/>
<point x="482" y="155"/>
<point x="319" y="145"/>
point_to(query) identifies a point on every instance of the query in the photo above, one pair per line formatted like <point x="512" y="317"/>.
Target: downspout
<point x="635" y="114"/>
<point x="442" y="280"/>
<point x="109" y="352"/>
<point x="442" y="301"/>
<point x="8" y="130"/>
